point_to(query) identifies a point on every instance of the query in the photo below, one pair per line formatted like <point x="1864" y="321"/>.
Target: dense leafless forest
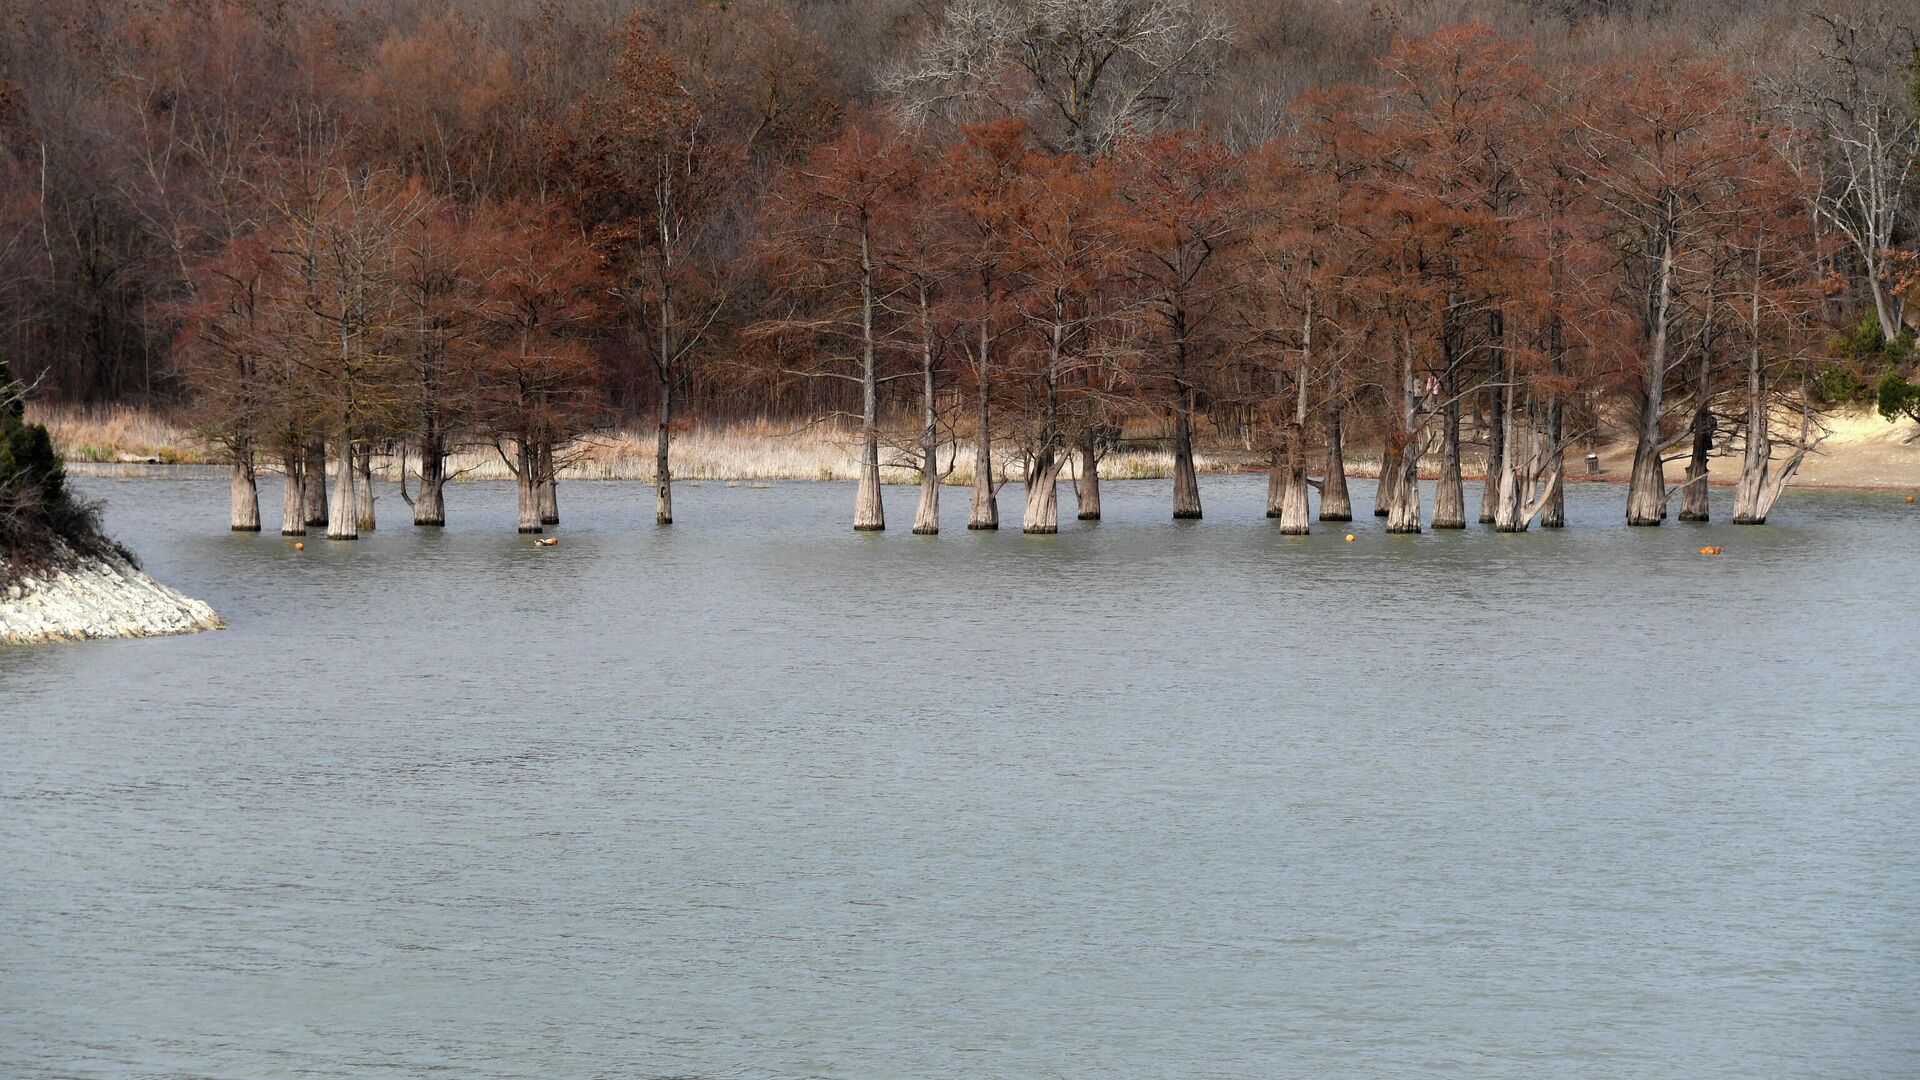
<point x="327" y="229"/>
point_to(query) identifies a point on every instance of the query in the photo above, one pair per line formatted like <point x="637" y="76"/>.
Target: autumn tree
<point x="539" y="291"/>
<point x="824" y="246"/>
<point x="223" y="348"/>
<point x="700" y="97"/>
<point x="1773" y="295"/>
<point x="1663" y="152"/>
<point x="1063" y="249"/>
<point x="439" y="345"/>
<point x="977" y="177"/>
<point x="1293" y="329"/>
<point x="1176" y="213"/>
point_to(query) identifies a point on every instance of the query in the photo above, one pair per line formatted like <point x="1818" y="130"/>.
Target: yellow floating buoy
<point x="299" y="546"/>
<point x="548" y="542"/>
<point x="1349" y="538"/>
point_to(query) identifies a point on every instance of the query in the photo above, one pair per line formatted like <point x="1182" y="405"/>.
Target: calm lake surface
<point x="758" y="797"/>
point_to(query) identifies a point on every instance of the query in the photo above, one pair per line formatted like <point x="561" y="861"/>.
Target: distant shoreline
<point x="1864" y="453"/>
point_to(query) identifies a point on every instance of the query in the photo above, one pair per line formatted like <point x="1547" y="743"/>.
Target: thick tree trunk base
<point x="315" y="490"/>
<point x="868" y="513"/>
<point x="926" y="517"/>
<point x="363" y="490"/>
<point x="293" y="497"/>
<point x="343" y="509"/>
<point x="1554" y="514"/>
<point x="1335" y="503"/>
<point x="1088" y="491"/>
<point x="1647" y="488"/>
<point x="1449" y="494"/>
<point x="245" y="496"/>
<point x="983" y="513"/>
<point x="430" y="509"/>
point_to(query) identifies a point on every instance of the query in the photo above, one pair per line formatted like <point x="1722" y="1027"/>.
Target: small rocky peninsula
<point x="61" y="578"/>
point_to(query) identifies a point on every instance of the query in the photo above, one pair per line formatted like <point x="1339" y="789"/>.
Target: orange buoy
<point x="1349" y="538"/>
<point x="299" y="546"/>
<point x="1909" y="498"/>
<point x="1709" y="551"/>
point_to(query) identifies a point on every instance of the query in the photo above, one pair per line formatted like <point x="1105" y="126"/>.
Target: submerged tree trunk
<point x="363" y="488"/>
<point x="1554" y="514"/>
<point x="1186" y="482"/>
<point x="1496" y="446"/>
<point x="983" y="513"/>
<point x="1043" y="492"/>
<point x="926" y="516"/>
<point x="1335" y="503"/>
<point x="1507" y="516"/>
<point x="293" y="496"/>
<point x="343" y="510"/>
<point x="526" y="473"/>
<point x="315" y="489"/>
<point x="1388" y="489"/>
<point x="1294" y="507"/>
<point x="1693" y="500"/>
<point x="662" y="473"/>
<point x="1276" y="479"/>
<point x="547" y="492"/>
<point x="1403" y="515"/>
<point x="1449" y="495"/>
<point x="868" y="514"/>
<point x="1647" y="486"/>
<point x="1403" y="512"/>
<point x="1087" y="492"/>
<point x="1760" y="486"/>
<point x="245" y="492"/>
<point x="429" y="507"/>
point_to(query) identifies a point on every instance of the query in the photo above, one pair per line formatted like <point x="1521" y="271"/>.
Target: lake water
<point x="755" y="796"/>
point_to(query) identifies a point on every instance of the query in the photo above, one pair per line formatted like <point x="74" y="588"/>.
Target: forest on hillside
<point x="325" y="229"/>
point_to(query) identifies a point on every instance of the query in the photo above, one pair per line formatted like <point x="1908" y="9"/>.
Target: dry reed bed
<point x="728" y="453"/>
<point x="118" y="433"/>
<point x="738" y="451"/>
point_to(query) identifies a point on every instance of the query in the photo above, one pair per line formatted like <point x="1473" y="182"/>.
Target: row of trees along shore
<point x="1020" y="239"/>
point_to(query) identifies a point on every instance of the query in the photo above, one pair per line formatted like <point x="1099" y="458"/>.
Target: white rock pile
<point x="97" y="598"/>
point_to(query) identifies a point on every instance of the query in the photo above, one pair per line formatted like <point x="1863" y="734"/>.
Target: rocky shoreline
<point x="92" y="597"/>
